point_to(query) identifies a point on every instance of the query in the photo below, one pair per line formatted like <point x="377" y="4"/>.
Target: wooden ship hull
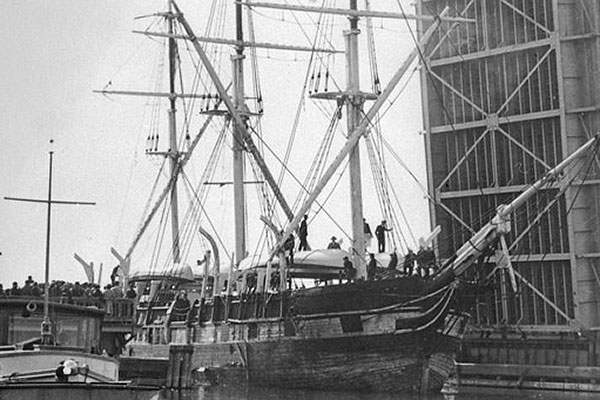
<point x="379" y="363"/>
<point x="377" y="333"/>
<point x="397" y="343"/>
<point x="388" y="362"/>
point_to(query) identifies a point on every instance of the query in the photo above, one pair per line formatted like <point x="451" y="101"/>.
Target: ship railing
<point x="153" y="334"/>
<point x="179" y="332"/>
<point x="122" y="310"/>
<point x="116" y="309"/>
<point x="83" y="301"/>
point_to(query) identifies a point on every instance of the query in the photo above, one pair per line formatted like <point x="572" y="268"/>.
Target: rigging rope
<point x="201" y="191"/>
<point x="305" y="87"/>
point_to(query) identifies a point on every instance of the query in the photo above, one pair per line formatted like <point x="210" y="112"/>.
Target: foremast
<point x="239" y="196"/>
<point x="173" y="152"/>
<point x="238" y="114"/>
<point x="238" y="118"/>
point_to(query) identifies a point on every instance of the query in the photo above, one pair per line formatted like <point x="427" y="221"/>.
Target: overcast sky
<point x="53" y="54"/>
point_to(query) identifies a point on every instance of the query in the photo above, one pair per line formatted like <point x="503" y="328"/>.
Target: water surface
<point x="244" y="392"/>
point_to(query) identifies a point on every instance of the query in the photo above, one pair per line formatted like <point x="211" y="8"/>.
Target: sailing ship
<point x="394" y="331"/>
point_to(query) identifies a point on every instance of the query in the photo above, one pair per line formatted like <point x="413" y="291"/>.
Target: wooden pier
<point x="552" y="362"/>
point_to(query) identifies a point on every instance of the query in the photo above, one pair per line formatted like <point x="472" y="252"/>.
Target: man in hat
<point x="333" y="244"/>
<point x="380" y="234"/>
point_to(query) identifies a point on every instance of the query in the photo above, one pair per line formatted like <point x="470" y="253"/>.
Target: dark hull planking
<point x="389" y="363"/>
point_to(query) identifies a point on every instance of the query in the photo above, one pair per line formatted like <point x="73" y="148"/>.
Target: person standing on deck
<point x="426" y="261"/>
<point x="380" y="234"/>
<point x="371" y="268"/>
<point x="333" y="244"/>
<point x="368" y="233"/>
<point x="303" y="234"/>
<point x="288" y="246"/>
<point x="349" y="270"/>
<point x="409" y="262"/>
<point x="393" y="260"/>
<point x="109" y="296"/>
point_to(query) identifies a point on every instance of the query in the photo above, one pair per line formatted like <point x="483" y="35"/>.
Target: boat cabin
<point x="72" y="325"/>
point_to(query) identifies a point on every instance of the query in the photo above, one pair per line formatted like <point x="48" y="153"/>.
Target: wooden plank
<point x="515" y="370"/>
<point x="481" y="385"/>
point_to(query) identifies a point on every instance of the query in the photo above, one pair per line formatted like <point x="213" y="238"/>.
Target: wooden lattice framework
<point x="503" y="100"/>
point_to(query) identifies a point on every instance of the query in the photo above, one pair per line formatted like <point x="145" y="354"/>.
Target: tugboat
<point x="321" y="319"/>
<point x="40" y="367"/>
<point x="62" y="360"/>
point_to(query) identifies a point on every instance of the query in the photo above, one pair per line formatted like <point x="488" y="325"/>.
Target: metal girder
<point x="496" y="126"/>
<point x="463" y="159"/>
<point x="525" y="16"/>
<point x="456" y="217"/>
<point x="545" y="298"/>
<point x="449" y="31"/>
<point x="478" y="55"/>
<point x="458" y="94"/>
<point x="524" y="81"/>
<point x="482" y="191"/>
<point x="480" y="123"/>
<point x="525" y="149"/>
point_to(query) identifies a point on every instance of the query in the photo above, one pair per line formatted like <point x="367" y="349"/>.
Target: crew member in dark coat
<point x="426" y="260"/>
<point x="303" y="234"/>
<point x="367" y="232"/>
<point x="380" y="234"/>
<point x="409" y="262"/>
<point x="371" y="268"/>
<point x="349" y="270"/>
<point x="288" y="245"/>
<point x="181" y="307"/>
<point x="393" y="261"/>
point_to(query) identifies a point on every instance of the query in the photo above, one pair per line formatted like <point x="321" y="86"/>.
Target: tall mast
<point x="46" y="327"/>
<point x="354" y="105"/>
<point x="239" y="200"/>
<point x="173" y="149"/>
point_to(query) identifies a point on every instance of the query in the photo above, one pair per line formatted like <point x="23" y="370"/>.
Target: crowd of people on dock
<point x="421" y="264"/>
<point x="68" y="292"/>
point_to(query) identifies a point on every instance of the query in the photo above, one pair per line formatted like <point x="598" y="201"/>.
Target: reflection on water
<point x="245" y="392"/>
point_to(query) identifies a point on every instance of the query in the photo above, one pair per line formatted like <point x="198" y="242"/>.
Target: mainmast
<point x="354" y="103"/>
<point x="173" y="152"/>
<point x="239" y="196"/>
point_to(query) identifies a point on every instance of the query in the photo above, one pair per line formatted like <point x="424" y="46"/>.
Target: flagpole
<point x="46" y="323"/>
<point x="46" y="326"/>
